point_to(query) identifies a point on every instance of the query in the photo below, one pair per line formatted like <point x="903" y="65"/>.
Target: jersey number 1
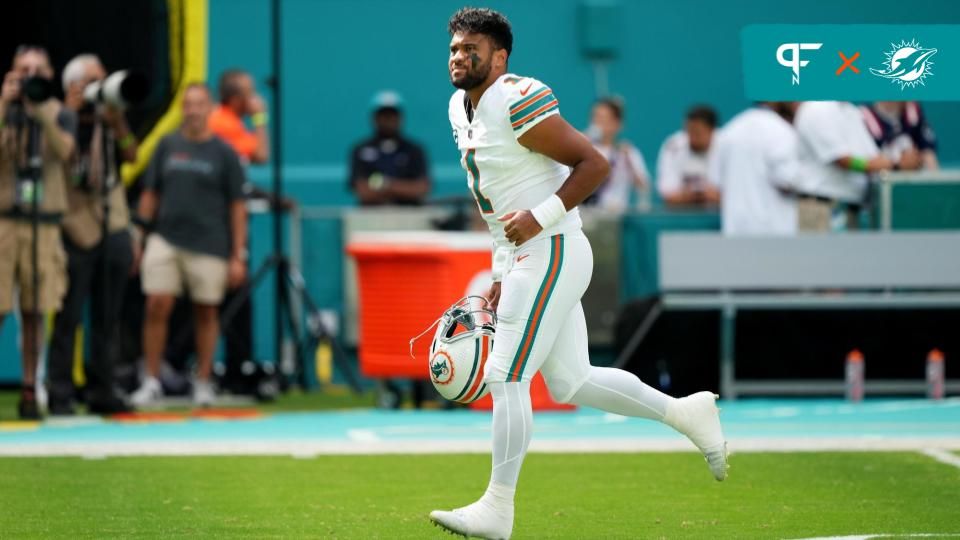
<point x="485" y="205"/>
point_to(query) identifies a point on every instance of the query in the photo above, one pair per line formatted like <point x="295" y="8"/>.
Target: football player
<point x="529" y="169"/>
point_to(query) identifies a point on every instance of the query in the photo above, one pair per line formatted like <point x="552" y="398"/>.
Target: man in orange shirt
<point x="238" y="100"/>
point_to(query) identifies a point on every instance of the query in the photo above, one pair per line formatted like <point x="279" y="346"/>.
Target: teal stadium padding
<point x="338" y="53"/>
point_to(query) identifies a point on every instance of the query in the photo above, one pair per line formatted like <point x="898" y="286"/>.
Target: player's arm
<point x="559" y="141"/>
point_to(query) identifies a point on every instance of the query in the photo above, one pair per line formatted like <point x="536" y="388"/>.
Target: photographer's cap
<point x="386" y="99"/>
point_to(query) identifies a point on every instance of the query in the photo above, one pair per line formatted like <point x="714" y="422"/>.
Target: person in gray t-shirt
<point x="193" y="204"/>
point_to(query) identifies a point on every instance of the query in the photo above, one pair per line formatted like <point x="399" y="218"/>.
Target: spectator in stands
<point x="32" y="202"/>
<point x="682" y="178"/>
<point x="388" y="168"/>
<point x="837" y="155"/>
<point x="901" y="131"/>
<point x="628" y="172"/>
<point x="755" y="161"/>
<point x="97" y="266"/>
<point x="239" y="100"/>
<point x="193" y="206"/>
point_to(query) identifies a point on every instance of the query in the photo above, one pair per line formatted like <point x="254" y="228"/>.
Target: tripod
<point x="289" y="283"/>
<point x="293" y="285"/>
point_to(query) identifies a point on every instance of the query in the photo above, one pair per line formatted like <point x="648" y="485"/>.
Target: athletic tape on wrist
<point x="549" y="212"/>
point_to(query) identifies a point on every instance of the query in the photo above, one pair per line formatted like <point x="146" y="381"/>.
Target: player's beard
<point x="474" y="77"/>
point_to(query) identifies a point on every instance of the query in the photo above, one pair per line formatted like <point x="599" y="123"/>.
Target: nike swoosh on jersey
<point x="527" y="89"/>
<point x="522" y="257"/>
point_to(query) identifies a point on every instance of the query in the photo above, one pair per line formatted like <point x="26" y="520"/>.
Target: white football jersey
<point x="503" y="175"/>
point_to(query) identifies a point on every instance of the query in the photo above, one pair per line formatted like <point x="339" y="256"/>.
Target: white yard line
<point x="943" y="456"/>
<point x="885" y="535"/>
<point x="362" y="442"/>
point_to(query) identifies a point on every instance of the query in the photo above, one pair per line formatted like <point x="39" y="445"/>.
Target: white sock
<point x="621" y="392"/>
<point x="499" y="495"/>
<point x="512" y="426"/>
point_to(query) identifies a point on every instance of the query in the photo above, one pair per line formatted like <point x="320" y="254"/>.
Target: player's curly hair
<point x="484" y="21"/>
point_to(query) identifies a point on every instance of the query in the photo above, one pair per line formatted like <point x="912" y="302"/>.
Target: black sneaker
<point x="60" y="407"/>
<point x="28" y="408"/>
<point x="107" y="406"/>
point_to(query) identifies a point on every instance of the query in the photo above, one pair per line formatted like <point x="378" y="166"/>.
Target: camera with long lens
<point x="120" y="89"/>
<point x="37" y="89"/>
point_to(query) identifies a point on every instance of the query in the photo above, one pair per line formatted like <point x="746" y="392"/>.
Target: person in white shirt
<point x="628" y="172"/>
<point x="682" y="178"/>
<point x="755" y="162"/>
<point x="837" y="154"/>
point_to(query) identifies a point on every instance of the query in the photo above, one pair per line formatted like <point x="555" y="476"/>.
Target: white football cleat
<point x="698" y="417"/>
<point x="480" y="519"/>
<point x="150" y="391"/>
<point x="203" y="393"/>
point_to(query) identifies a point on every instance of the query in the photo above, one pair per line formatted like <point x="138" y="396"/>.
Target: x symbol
<point x="848" y="62"/>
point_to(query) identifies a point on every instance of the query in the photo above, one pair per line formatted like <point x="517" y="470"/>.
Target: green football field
<point x="648" y="495"/>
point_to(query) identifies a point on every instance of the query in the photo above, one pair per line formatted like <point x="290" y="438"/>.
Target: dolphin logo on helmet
<point x="460" y="348"/>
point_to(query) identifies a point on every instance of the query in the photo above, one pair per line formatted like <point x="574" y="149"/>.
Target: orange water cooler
<point x="406" y="280"/>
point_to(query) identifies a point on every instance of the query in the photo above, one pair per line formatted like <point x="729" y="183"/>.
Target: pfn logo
<point x="794" y="62"/>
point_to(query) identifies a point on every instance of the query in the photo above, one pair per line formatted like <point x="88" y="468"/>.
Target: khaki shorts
<point x="16" y="265"/>
<point x="166" y="268"/>
<point x="814" y="215"/>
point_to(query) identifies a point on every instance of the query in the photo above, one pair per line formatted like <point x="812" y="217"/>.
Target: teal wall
<point x="338" y="53"/>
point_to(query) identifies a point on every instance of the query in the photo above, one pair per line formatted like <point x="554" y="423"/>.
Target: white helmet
<point x="460" y="348"/>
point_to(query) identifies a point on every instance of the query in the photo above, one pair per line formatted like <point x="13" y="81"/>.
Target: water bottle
<point x="324" y="362"/>
<point x="855" y="374"/>
<point x="935" y="375"/>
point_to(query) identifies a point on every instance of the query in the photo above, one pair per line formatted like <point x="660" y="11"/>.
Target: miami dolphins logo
<point x="908" y="64"/>
<point x="441" y="368"/>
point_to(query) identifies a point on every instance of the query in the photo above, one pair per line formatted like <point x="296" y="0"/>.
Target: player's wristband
<point x="549" y="212"/>
<point x="858" y="164"/>
<point x="258" y="119"/>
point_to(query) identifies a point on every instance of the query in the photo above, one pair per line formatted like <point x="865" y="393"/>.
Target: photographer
<point x="36" y="142"/>
<point x="98" y="265"/>
<point x="193" y="204"/>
